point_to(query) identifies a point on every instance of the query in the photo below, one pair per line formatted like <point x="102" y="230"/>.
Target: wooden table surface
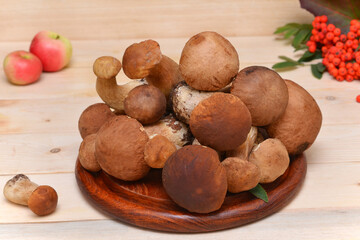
<point x="37" y="119"/>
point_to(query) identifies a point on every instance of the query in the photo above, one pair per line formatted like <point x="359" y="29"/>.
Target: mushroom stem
<point x="18" y="189"/>
<point x="165" y="75"/>
<point x="106" y="68"/>
<point x="243" y="151"/>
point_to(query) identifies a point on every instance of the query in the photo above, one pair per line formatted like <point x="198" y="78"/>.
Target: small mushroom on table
<point x="194" y="178"/>
<point x="42" y="200"/>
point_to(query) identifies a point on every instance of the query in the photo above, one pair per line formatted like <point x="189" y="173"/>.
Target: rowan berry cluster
<point x="339" y="51"/>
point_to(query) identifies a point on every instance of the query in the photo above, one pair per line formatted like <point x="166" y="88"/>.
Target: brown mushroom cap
<point x="145" y="103"/>
<point x="300" y="124"/>
<point x="264" y="93"/>
<point x="43" y="200"/>
<point x="242" y="175"/>
<point x="221" y="121"/>
<point x="208" y="62"/>
<point x="157" y="151"/>
<point x="119" y="148"/>
<point x="93" y="117"/>
<point x="140" y="58"/>
<point x="106" y="67"/>
<point x="87" y="154"/>
<point x="195" y="179"/>
<point x="272" y="159"/>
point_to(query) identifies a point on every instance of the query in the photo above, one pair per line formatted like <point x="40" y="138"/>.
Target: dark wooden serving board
<point x="144" y="203"/>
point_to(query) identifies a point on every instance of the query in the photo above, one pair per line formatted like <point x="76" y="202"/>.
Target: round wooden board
<point x="144" y="203"/>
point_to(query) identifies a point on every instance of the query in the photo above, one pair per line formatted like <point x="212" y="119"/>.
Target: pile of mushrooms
<point x="211" y="128"/>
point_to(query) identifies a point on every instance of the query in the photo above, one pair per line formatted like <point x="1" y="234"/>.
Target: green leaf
<point x="320" y="67"/>
<point x="300" y="37"/>
<point x="287" y="27"/>
<point x="308" y="56"/>
<point x="339" y="13"/>
<point x="284" y="65"/>
<point x="301" y="47"/>
<point x="287" y="59"/>
<point x="260" y="193"/>
<point x="290" y="33"/>
<point x="315" y="71"/>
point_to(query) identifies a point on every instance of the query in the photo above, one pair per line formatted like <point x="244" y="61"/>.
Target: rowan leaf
<point x="284" y="65"/>
<point x="339" y="13"/>
<point x="260" y="193"/>
<point x="315" y="71"/>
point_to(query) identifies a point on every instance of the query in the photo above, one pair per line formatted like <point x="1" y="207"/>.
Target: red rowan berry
<point x="312" y="48"/>
<point x="347" y="56"/>
<point x="356" y="66"/>
<point x="330" y="27"/>
<point x="323" y="18"/>
<point x="351" y="71"/>
<point x="323" y="26"/>
<point x="330" y="66"/>
<point x="342" y="71"/>
<point x="357" y="59"/>
<point x="351" y="35"/>
<point x="339" y="78"/>
<point x="334" y="72"/>
<point x="317" y="25"/>
<point x="342" y="65"/>
<point x="343" y="38"/>
<point x="358" y="98"/>
<point x="324" y="49"/>
<point x="329" y="36"/>
<point x="349" y="78"/>
<point x="353" y="28"/>
<point x="336" y="61"/>
<point x="330" y="57"/>
<point x="317" y="19"/>
<point x="339" y="45"/>
<point x="317" y="38"/>
<point x="349" y="65"/>
<point x="337" y="31"/>
<point x="336" y="39"/>
<point x="321" y="35"/>
<point x="352" y="22"/>
<point x="314" y="31"/>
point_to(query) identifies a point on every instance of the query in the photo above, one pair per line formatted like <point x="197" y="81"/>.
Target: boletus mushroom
<point x="106" y="68"/>
<point x="87" y="154"/>
<point x="194" y="178"/>
<point x="157" y="151"/>
<point x="208" y="62"/>
<point x="145" y="60"/>
<point x="145" y="103"/>
<point x="119" y="148"/>
<point x="242" y="175"/>
<point x="42" y="200"/>
<point x="221" y="121"/>
<point x="243" y="151"/>
<point x="93" y="117"/>
<point x="272" y="159"/>
<point x="300" y="124"/>
<point x="264" y="93"/>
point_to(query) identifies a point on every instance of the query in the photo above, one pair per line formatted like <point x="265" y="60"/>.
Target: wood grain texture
<point x="145" y="203"/>
<point x="109" y="19"/>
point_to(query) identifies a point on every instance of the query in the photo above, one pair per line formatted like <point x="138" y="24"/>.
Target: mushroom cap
<point x="194" y="178"/>
<point x="264" y="93"/>
<point x="242" y="175"/>
<point x="93" y="117"/>
<point x="157" y="151"/>
<point x="221" y="121"/>
<point x="145" y="103"/>
<point x="208" y="62"/>
<point x="106" y="67"/>
<point x="18" y="189"/>
<point x="43" y="200"/>
<point x="119" y="148"/>
<point x="300" y="124"/>
<point x="140" y="58"/>
<point x="272" y="159"/>
<point x="184" y="99"/>
<point x="87" y="154"/>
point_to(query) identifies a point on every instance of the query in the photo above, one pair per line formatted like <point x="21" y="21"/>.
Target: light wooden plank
<point x="34" y="153"/>
<point x="141" y="19"/>
<point x="327" y="186"/>
<point x="306" y="224"/>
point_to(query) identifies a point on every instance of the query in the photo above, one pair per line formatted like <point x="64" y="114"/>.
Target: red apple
<point x="53" y="50"/>
<point x="22" y="68"/>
